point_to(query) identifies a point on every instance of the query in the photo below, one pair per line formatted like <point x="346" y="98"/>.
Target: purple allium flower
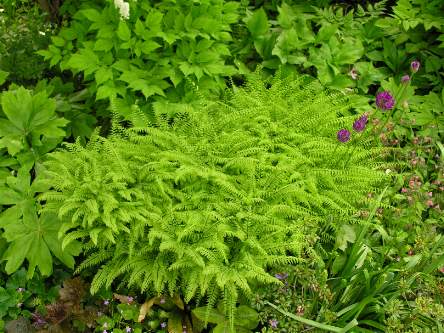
<point x="385" y="101"/>
<point x="273" y="323"/>
<point x="163" y="325"/>
<point x="281" y="276"/>
<point x="130" y="299"/>
<point x="105" y="331"/>
<point x="106" y="302"/>
<point x="360" y="123"/>
<point x="343" y="135"/>
<point x="405" y="79"/>
<point x="415" y="66"/>
<point x="128" y="329"/>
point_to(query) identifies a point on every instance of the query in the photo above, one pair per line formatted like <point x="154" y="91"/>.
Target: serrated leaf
<point x="103" y="74"/>
<point x="123" y="32"/>
<point x="103" y="44"/>
<point x="149" y="46"/>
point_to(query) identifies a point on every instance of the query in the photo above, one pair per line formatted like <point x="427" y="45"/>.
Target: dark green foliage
<point x="157" y="51"/>
<point x="23" y="31"/>
<point x="204" y="205"/>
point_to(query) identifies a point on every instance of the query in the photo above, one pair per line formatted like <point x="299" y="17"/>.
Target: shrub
<point x="205" y="203"/>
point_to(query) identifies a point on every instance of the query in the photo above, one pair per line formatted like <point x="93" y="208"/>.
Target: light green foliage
<point x="155" y="52"/>
<point x="29" y="235"/>
<point x="29" y="128"/>
<point x="204" y="205"/>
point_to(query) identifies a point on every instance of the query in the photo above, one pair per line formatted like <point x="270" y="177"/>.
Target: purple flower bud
<point x="281" y="276"/>
<point x="343" y="135"/>
<point x="273" y="323"/>
<point x="130" y="299"/>
<point x="415" y="66"/>
<point x="128" y="329"/>
<point x="405" y="79"/>
<point x="163" y="325"/>
<point x="385" y="101"/>
<point x="106" y="302"/>
<point x="360" y="123"/>
<point x="162" y="300"/>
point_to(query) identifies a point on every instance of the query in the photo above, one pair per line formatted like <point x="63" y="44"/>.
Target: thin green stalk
<point x="312" y="323"/>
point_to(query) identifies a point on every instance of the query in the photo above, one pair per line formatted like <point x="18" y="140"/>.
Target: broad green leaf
<point x="9" y="196"/>
<point x="211" y="315"/>
<point x="246" y="317"/>
<point x="103" y="74"/>
<point x="257" y="24"/>
<point x="123" y="31"/>
<point x="92" y="14"/>
<point x="103" y="44"/>
<point x="345" y="235"/>
<point x="86" y="60"/>
<point x="17" y="106"/>
<point x="348" y="53"/>
<point x="326" y="32"/>
<point x="149" y="46"/>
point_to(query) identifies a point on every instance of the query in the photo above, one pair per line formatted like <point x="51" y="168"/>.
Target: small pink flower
<point x="430" y="203"/>
<point x="415" y="66"/>
<point x="405" y="79"/>
<point x="430" y="194"/>
<point x="441" y="269"/>
<point x="404" y="190"/>
<point x="354" y="74"/>
<point x="410" y="253"/>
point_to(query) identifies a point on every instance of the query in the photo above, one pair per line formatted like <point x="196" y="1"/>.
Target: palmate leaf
<point x="28" y="117"/>
<point x="29" y="236"/>
<point x="35" y="239"/>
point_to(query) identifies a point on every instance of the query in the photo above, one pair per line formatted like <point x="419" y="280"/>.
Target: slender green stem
<point x="312" y="323"/>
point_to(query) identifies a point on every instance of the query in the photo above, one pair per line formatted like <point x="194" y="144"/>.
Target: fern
<point x="205" y="204"/>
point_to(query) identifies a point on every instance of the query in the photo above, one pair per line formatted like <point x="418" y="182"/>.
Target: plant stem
<point x="326" y="327"/>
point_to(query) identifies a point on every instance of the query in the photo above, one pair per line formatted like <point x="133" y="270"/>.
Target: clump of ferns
<point x="205" y="204"/>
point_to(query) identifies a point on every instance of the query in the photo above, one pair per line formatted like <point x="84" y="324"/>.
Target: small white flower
<point x="387" y="171"/>
<point x="123" y="8"/>
<point x="42" y="33"/>
<point x="2" y="10"/>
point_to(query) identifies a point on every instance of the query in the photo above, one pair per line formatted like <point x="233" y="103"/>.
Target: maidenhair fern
<point x="203" y="204"/>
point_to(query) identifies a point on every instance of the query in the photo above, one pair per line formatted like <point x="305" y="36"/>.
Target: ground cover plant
<point x="221" y="166"/>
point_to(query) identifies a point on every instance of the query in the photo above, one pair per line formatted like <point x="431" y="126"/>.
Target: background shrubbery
<point x="223" y="164"/>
